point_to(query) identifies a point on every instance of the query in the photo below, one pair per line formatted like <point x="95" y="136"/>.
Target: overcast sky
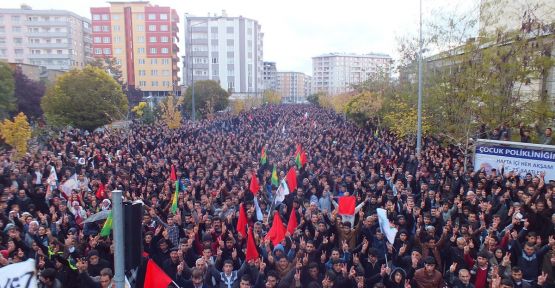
<point x="296" y="30"/>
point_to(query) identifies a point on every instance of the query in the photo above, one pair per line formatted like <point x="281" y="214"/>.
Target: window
<point x="140" y="16"/>
<point x="153" y="51"/>
<point x="153" y="72"/>
<point x="96" y="28"/>
<point x="214" y="30"/>
<point x="151" y="16"/>
<point x="2" y="40"/>
<point x="97" y="51"/>
<point x="163" y="27"/>
<point x="105" y="17"/>
<point x="18" y="41"/>
<point x="166" y="83"/>
<point x="140" y="28"/>
<point x="105" y="28"/>
<point x="214" y="60"/>
<point x="230" y="42"/>
<point x="58" y="41"/>
<point x="118" y="61"/>
<point x="18" y="51"/>
<point x="165" y="50"/>
<point x="35" y="51"/>
<point x="152" y="39"/>
<point x="107" y="51"/>
<point x="197" y="48"/>
<point x="230" y="86"/>
<point x="141" y="39"/>
<point x="153" y="61"/>
<point x="141" y="50"/>
<point x="164" y="39"/>
<point x="163" y="16"/>
<point x="154" y="83"/>
<point x="2" y="29"/>
<point x="229" y="30"/>
<point x="16" y="18"/>
<point x="165" y="61"/>
<point x="106" y="40"/>
<point x="151" y="27"/>
<point x="116" y="28"/>
<point x="141" y="61"/>
<point x="96" y="16"/>
<point x="117" y="39"/>
<point x="115" y="17"/>
<point x="16" y="29"/>
<point x="142" y="83"/>
<point x="165" y="72"/>
<point x="142" y="72"/>
<point x="117" y="51"/>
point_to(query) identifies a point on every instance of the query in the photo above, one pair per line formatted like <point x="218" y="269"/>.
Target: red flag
<point x="254" y="187"/>
<point x="347" y="205"/>
<point x="277" y="232"/>
<point x="292" y="223"/>
<point x="242" y="222"/>
<point x="100" y="192"/>
<point x="252" y="252"/>
<point x="173" y="177"/>
<point x="303" y="158"/>
<point x="155" y="277"/>
<point x="291" y="179"/>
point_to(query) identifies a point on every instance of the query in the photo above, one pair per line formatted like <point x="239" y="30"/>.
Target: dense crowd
<point x="455" y="228"/>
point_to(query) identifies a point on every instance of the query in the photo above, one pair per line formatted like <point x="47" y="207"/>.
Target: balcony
<point x="47" y="23"/>
<point x="47" y="34"/>
<point x="49" y="45"/>
<point x="49" y="56"/>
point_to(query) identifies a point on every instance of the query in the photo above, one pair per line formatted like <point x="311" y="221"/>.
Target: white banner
<point x="387" y="230"/>
<point x="518" y="160"/>
<point x="19" y="275"/>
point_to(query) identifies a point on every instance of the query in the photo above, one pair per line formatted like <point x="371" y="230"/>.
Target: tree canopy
<point x="28" y="94"/>
<point x="7" y="87"/>
<point x="209" y="97"/>
<point x="87" y="99"/>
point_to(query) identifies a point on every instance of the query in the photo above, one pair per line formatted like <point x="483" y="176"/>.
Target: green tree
<point x="87" y="98"/>
<point x="209" y="97"/>
<point x="314" y="99"/>
<point x="171" y="115"/>
<point x="7" y="88"/>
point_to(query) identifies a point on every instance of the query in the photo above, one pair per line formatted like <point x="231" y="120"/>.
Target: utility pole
<point x="419" y="128"/>
<point x="117" y="228"/>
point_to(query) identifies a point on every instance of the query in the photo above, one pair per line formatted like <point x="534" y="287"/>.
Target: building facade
<point x="270" y="76"/>
<point x="143" y="39"/>
<point x="55" y="39"/>
<point x="224" y="49"/>
<point x="293" y="87"/>
<point x="335" y="73"/>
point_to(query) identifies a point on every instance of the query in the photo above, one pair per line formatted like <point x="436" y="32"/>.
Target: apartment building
<point x="334" y="73"/>
<point x="143" y="39"/>
<point x="293" y="87"/>
<point x="224" y="49"/>
<point x="270" y="76"/>
<point x="55" y="39"/>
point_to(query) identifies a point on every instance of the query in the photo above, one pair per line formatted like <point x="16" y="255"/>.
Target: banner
<point x="387" y="230"/>
<point x="518" y="160"/>
<point x="19" y="275"/>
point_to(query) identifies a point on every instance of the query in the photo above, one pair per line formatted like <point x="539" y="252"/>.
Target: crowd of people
<point x="455" y="228"/>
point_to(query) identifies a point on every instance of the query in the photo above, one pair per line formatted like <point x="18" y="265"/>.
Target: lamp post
<point x="193" y="113"/>
<point x="419" y="127"/>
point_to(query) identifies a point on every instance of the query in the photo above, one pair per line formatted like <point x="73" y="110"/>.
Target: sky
<point x="297" y="30"/>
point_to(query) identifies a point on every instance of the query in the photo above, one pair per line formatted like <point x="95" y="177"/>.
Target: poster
<point x="19" y="275"/>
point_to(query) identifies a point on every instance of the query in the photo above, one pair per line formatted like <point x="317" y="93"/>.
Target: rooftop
<point x="369" y="55"/>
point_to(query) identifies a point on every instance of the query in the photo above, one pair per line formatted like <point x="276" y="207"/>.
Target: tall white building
<point x="55" y="39"/>
<point x="224" y="49"/>
<point x="335" y="73"/>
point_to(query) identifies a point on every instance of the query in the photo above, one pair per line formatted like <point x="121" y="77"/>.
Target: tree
<point x="209" y="97"/>
<point x="402" y="118"/>
<point x="111" y="66"/>
<point x="314" y="99"/>
<point x="363" y="106"/>
<point x="28" y="94"/>
<point x="139" y="109"/>
<point x="16" y="133"/>
<point x="7" y="87"/>
<point x="271" y="97"/>
<point x="171" y="115"/>
<point x="87" y="99"/>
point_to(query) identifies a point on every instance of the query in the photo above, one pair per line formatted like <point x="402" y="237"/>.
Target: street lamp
<point x="193" y="113"/>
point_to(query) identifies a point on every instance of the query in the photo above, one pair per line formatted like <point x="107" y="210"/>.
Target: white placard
<point x="19" y="275"/>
